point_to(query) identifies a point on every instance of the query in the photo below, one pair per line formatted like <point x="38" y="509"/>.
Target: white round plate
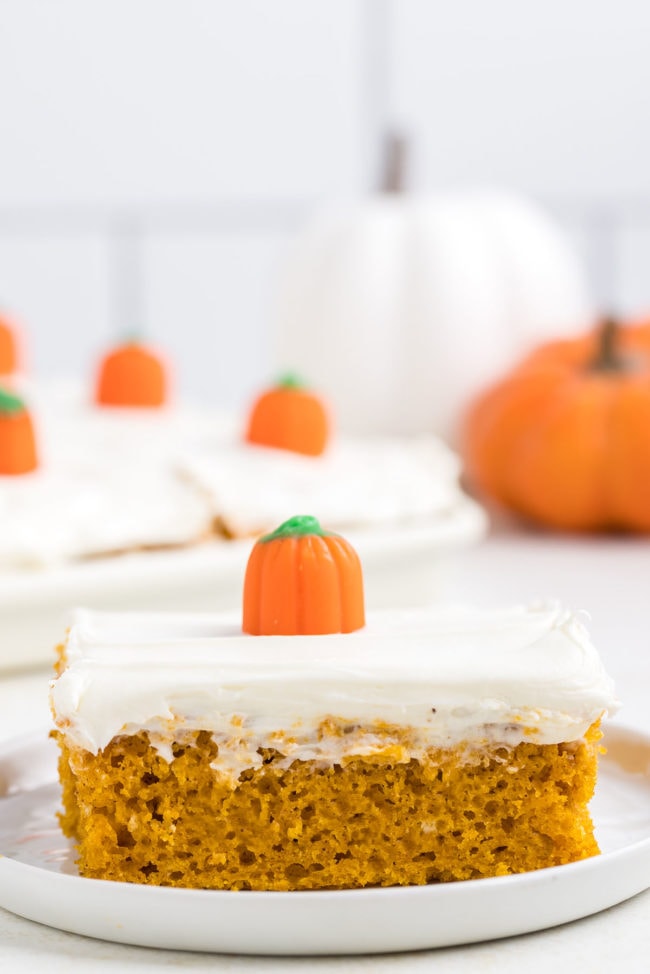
<point x="38" y="881"/>
<point x="404" y="565"/>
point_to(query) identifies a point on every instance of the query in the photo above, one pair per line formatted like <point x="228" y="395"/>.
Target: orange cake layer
<point x="377" y="819"/>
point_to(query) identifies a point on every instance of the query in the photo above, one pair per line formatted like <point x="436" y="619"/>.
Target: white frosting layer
<point x="447" y="675"/>
<point x="78" y="512"/>
<point x="356" y="482"/>
<point x="118" y="479"/>
<point x="106" y="483"/>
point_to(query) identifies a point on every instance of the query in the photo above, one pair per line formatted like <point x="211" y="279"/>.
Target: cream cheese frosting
<point x="115" y="480"/>
<point x="106" y="482"/>
<point x="57" y="515"/>
<point x="357" y="481"/>
<point x="448" y="676"/>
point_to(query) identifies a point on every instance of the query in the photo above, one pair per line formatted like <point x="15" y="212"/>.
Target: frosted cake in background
<point x="112" y="480"/>
<point x="125" y="505"/>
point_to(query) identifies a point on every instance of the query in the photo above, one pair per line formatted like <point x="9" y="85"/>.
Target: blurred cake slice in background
<point x="357" y="483"/>
<point x="150" y="506"/>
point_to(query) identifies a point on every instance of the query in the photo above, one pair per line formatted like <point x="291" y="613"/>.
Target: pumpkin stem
<point x="394" y="172"/>
<point x="297" y="527"/>
<point x="290" y="380"/>
<point x="608" y="358"/>
<point x="10" y="404"/>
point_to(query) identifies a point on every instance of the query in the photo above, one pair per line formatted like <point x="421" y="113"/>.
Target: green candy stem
<point x="132" y="337"/>
<point x="297" y="527"/>
<point x="10" y="404"/>
<point x="290" y="381"/>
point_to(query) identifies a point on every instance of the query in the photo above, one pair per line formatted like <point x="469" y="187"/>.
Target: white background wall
<point x="157" y="156"/>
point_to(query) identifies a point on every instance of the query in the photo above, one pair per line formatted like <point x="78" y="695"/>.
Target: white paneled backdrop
<point x="157" y="156"/>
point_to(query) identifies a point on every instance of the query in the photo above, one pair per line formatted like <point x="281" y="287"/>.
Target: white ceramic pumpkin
<point x="400" y="309"/>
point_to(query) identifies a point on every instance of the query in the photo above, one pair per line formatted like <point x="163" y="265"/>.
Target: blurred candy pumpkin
<point x="565" y="438"/>
<point x="402" y="308"/>
<point x="8" y="347"/>
<point x="132" y="375"/>
<point x="289" y="417"/>
<point x="18" y="454"/>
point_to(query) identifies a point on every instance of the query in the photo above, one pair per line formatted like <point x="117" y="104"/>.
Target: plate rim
<point x="619" y="730"/>
<point x="372" y="898"/>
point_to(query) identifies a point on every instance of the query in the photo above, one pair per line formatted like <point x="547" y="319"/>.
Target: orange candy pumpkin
<point x="17" y="440"/>
<point x="132" y="375"/>
<point x="289" y="417"/>
<point x="565" y="439"/>
<point x="8" y="348"/>
<point x="302" y="580"/>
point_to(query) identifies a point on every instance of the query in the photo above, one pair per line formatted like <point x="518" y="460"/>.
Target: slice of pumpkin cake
<point x="310" y="749"/>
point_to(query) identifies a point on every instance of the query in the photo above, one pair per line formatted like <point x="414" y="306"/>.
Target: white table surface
<point x="608" y="577"/>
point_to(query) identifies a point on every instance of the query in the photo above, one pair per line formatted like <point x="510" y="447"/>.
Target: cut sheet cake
<point x="311" y="749"/>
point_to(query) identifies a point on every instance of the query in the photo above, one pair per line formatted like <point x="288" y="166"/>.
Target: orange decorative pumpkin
<point x="302" y="580"/>
<point x="289" y="417"/>
<point x="17" y="441"/>
<point x="132" y="375"/>
<point x="8" y="348"/>
<point x="565" y="439"/>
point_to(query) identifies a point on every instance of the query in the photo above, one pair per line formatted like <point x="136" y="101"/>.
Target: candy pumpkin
<point x="565" y="439"/>
<point x="17" y="441"/>
<point x="302" y="580"/>
<point x="132" y="375"/>
<point x="8" y="347"/>
<point x="289" y="417"/>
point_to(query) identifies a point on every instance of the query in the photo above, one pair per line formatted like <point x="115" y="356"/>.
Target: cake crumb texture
<point x="452" y="814"/>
